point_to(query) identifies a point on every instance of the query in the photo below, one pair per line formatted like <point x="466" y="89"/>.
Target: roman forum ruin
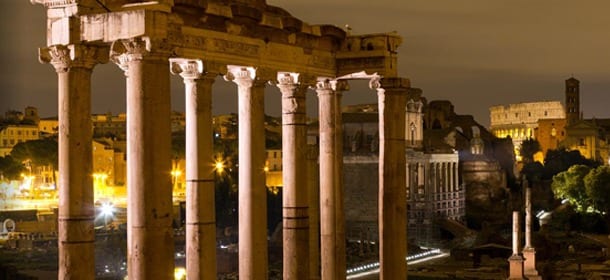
<point x="250" y="43"/>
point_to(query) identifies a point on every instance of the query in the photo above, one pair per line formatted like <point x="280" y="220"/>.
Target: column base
<point x="515" y="268"/>
<point x="529" y="264"/>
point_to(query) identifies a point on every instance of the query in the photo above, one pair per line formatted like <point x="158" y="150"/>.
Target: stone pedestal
<point x="515" y="270"/>
<point x="74" y="64"/>
<point x="392" y="93"/>
<point x="200" y="211"/>
<point x="252" y="190"/>
<point x="529" y="264"/>
<point x="150" y="241"/>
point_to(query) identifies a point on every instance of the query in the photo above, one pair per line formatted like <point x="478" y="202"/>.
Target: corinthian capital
<point x="327" y="84"/>
<point x="124" y="51"/>
<point x="188" y="69"/>
<point x="243" y="76"/>
<point x="73" y="56"/>
<point x="287" y="80"/>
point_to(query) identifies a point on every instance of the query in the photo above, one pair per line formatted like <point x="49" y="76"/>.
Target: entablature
<point x="233" y="32"/>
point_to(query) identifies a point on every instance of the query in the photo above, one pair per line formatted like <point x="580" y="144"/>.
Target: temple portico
<point x="250" y="44"/>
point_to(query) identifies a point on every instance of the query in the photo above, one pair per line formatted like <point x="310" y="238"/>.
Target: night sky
<point x="475" y="53"/>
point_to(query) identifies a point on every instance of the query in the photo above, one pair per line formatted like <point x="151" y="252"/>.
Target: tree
<point x="533" y="171"/>
<point x="570" y="185"/>
<point x="39" y="152"/>
<point x="560" y="160"/>
<point x="10" y="169"/>
<point x="597" y="186"/>
<point x="529" y="147"/>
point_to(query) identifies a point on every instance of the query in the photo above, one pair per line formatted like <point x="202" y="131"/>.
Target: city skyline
<point x="491" y="52"/>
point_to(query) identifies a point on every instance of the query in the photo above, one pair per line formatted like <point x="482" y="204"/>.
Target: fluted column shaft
<point x="74" y="64"/>
<point x="295" y="202"/>
<point x="252" y="191"/>
<point x="392" y="96"/>
<point x="150" y="242"/>
<point x="200" y="211"/>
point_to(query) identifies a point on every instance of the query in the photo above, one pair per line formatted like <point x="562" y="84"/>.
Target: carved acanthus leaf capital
<point x="73" y="56"/>
<point x="331" y="85"/>
<point x="188" y="69"/>
<point x="124" y="51"/>
<point x="58" y="56"/>
<point x="243" y="76"/>
<point x="287" y="79"/>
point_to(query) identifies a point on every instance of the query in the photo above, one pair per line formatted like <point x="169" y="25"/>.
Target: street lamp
<point x="219" y="165"/>
<point x="175" y="174"/>
<point x="107" y="210"/>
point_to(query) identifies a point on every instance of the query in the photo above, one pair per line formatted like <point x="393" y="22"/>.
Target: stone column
<point x="515" y="260"/>
<point x="200" y="211"/>
<point x="392" y="96"/>
<point x="252" y="190"/>
<point x="450" y="178"/>
<point x="313" y="190"/>
<point x="294" y="195"/>
<point x="74" y="64"/>
<point x="529" y="253"/>
<point x="150" y="241"/>
<point x="339" y="188"/>
<point x="328" y="161"/>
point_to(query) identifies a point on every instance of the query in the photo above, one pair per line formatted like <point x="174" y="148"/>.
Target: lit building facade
<point x="433" y="190"/>
<point x="11" y="135"/>
<point x="520" y="121"/>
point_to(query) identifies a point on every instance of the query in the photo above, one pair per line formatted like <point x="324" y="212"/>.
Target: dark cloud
<point x="476" y="53"/>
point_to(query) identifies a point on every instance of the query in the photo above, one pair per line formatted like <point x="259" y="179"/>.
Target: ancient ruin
<point x="249" y="43"/>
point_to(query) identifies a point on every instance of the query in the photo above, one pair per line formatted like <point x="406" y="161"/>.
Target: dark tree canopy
<point x="39" y="152"/>
<point x="529" y="147"/>
<point x="560" y="160"/>
<point x="10" y="169"/>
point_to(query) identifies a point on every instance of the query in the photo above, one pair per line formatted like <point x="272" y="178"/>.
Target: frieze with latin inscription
<point x="225" y="46"/>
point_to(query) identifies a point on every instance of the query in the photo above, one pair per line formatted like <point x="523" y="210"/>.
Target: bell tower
<point x="572" y="100"/>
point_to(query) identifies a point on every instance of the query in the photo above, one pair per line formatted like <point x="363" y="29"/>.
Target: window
<point x="546" y="113"/>
<point x="582" y="141"/>
<point x="529" y="114"/>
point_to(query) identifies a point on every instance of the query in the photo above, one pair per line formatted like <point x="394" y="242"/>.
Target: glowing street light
<point x="219" y="165"/>
<point x="107" y="210"/>
<point x="179" y="273"/>
<point x="175" y="175"/>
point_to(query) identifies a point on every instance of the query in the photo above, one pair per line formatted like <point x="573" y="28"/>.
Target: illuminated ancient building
<point x="17" y="127"/>
<point x="249" y="43"/>
<point x="433" y="189"/>
<point x="520" y="121"/>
